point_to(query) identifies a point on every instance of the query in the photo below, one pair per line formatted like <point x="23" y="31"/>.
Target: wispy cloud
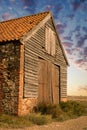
<point x="6" y="16"/>
<point x="69" y="38"/>
<point x="58" y="7"/>
<point x="78" y="4"/>
<point x="68" y="48"/>
<point x="12" y="0"/>
<point x="84" y="29"/>
<point x="61" y="27"/>
<point x="69" y="52"/>
<point x="31" y="5"/>
<point x="71" y="16"/>
<point x="81" y="63"/>
<point x="81" y="41"/>
<point x="85" y="52"/>
<point x="75" y="4"/>
<point x="48" y="8"/>
<point x="67" y="44"/>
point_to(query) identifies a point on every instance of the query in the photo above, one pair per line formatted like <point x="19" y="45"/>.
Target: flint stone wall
<point x="9" y="77"/>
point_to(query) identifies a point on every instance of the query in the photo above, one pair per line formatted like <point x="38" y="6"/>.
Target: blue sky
<point x="71" y="22"/>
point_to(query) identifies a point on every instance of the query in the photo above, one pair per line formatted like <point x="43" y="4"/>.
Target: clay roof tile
<point x="16" y="28"/>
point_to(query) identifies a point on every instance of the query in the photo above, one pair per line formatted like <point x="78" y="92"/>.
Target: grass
<point x="45" y="113"/>
<point x="40" y="119"/>
<point x="63" y="111"/>
<point x="9" y="121"/>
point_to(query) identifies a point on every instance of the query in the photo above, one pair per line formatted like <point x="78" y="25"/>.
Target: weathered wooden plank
<point x="34" y="49"/>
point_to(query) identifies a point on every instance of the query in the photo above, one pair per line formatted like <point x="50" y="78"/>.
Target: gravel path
<point x="73" y="124"/>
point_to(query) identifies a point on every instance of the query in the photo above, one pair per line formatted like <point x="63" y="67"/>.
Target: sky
<point x="71" y="22"/>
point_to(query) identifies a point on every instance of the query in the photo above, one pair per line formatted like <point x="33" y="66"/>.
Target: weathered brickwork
<point x="9" y="77"/>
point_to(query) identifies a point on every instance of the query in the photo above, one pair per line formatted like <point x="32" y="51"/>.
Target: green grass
<point x="9" y="121"/>
<point x="40" y="119"/>
<point x="45" y="113"/>
<point x="63" y="111"/>
<point x="72" y="108"/>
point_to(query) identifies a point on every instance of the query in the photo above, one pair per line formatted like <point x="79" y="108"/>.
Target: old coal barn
<point x="33" y="64"/>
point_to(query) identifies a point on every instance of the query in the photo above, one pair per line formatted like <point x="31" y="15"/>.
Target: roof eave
<point x="31" y="32"/>
<point x="59" y="40"/>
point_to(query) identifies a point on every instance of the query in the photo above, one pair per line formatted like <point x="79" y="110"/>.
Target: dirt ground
<point x="73" y="124"/>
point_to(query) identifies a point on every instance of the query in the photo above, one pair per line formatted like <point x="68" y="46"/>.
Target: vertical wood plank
<point x="55" y="84"/>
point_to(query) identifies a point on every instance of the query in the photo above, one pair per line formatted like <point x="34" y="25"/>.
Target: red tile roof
<point x="16" y="28"/>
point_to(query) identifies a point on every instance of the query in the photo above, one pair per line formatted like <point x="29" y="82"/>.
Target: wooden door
<point x="55" y="84"/>
<point x="42" y="90"/>
<point x="48" y="90"/>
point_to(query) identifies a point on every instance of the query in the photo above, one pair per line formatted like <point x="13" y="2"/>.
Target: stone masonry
<point x="9" y="77"/>
<point x="12" y="100"/>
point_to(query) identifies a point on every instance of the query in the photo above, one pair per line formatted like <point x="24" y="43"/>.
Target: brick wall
<point x="9" y="77"/>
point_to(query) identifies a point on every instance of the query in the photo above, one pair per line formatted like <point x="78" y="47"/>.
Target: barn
<point x="33" y="64"/>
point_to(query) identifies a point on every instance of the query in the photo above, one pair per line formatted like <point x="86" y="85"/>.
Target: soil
<point x="73" y="124"/>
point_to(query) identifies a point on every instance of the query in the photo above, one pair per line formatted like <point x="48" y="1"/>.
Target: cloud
<point x="67" y="38"/>
<point x="61" y="27"/>
<point x="58" y="7"/>
<point x="12" y="1"/>
<point x="75" y="4"/>
<point x="78" y="35"/>
<point x="31" y="5"/>
<point x="67" y="44"/>
<point x="77" y="54"/>
<point x="82" y="1"/>
<point x="48" y="8"/>
<point x="68" y="48"/>
<point x="85" y="52"/>
<point x="76" y="32"/>
<point x="79" y="61"/>
<point x="84" y="29"/>
<point x="81" y="41"/>
<point x="7" y="16"/>
<point x="71" y="16"/>
<point x="77" y="28"/>
<point x="84" y="6"/>
<point x="78" y="4"/>
<point x="69" y="51"/>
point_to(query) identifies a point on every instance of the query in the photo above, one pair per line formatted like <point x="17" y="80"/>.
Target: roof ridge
<point x="24" y="17"/>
